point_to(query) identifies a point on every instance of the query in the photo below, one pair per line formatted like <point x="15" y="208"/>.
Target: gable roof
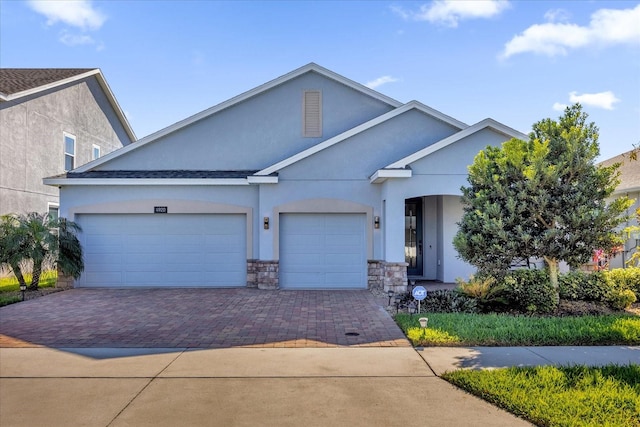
<point x="629" y="172"/>
<point x="311" y="67"/>
<point x="413" y="105"/>
<point x="399" y="169"/>
<point x="486" y="123"/>
<point x="16" y="83"/>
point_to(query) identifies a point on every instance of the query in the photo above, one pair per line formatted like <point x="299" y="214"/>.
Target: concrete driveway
<point x="199" y="318"/>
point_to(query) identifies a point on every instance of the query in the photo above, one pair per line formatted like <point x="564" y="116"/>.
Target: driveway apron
<point x="200" y="318"/>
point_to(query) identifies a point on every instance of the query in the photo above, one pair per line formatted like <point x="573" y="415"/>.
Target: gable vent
<point x="312" y="114"/>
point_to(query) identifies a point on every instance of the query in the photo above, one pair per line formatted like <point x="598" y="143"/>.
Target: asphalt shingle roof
<point x="161" y="174"/>
<point x="15" y="80"/>
<point x="629" y="171"/>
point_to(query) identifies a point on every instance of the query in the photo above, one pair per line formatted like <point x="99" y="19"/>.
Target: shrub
<point x="624" y="278"/>
<point x="487" y="293"/>
<point x="449" y="301"/>
<point x="581" y="286"/>
<point x="530" y="291"/>
<point x="622" y="299"/>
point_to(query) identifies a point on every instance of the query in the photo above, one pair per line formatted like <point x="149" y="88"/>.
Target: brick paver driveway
<point x="199" y="318"/>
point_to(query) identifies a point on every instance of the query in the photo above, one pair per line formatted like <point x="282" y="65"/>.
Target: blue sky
<point x="514" y="61"/>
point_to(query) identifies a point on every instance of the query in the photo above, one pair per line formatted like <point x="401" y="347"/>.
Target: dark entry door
<point x="413" y="236"/>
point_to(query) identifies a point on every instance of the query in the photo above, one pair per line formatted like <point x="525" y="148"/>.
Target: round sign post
<point x="419" y="293"/>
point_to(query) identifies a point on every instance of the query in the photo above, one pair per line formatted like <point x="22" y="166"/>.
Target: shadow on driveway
<point x="199" y="318"/>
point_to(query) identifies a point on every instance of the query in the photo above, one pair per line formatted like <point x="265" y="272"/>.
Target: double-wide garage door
<point x="172" y="250"/>
<point x="323" y="251"/>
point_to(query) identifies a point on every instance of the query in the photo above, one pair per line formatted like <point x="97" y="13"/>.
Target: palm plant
<point x="43" y="241"/>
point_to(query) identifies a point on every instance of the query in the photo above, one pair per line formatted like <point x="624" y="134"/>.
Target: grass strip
<point x="460" y="329"/>
<point x="573" y="396"/>
<point x="47" y="280"/>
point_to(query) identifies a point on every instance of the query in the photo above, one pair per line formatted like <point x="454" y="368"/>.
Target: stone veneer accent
<point x="387" y="275"/>
<point x="263" y="274"/>
<point x="64" y="281"/>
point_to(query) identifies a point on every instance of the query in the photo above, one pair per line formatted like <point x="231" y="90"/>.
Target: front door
<point x="413" y="236"/>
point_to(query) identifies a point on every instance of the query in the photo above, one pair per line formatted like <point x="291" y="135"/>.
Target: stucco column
<point x="394" y="229"/>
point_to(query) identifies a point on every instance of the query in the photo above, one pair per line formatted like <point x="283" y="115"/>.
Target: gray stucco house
<point x="308" y="181"/>
<point x="629" y="186"/>
<point x="52" y="120"/>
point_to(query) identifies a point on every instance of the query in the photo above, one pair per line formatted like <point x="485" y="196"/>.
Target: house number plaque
<point x="160" y="209"/>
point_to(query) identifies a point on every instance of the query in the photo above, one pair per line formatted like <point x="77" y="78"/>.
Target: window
<point x="312" y="114"/>
<point x="69" y="151"/>
<point x="53" y="209"/>
<point x="95" y="152"/>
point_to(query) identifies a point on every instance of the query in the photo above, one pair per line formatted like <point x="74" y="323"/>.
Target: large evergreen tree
<point x="543" y="198"/>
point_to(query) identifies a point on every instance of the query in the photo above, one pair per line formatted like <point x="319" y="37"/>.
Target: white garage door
<point x="323" y="251"/>
<point x="163" y="250"/>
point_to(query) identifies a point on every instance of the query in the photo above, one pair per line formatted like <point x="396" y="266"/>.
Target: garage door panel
<point x="323" y="251"/>
<point x="163" y="250"/>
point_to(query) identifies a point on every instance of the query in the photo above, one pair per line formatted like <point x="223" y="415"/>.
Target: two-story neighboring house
<point x="52" y="120"/>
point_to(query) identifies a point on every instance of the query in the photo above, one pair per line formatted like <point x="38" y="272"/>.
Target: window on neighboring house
<point x="69" y="152"/>
<point x="95" y="153"/>
<point x="53" y="210"/>
<point x="312" y="114"/>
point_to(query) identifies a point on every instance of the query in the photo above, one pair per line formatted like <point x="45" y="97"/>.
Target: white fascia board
<point x="262" y="179"/>
<point x="623" y="191"/>
<point x="382" y="175"/>
<point x="358" y="129"/>
<point x="116" y="106"/>
<point x="64" y="182"/>
<point x="236" y="100"/>
<point x="486" y="123"/>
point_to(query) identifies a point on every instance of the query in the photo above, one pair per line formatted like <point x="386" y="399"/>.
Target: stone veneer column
<point x="387" y="275"/>
<point x="375" y="274"/>
<point x="395" y="276"/>
<point x="64" y="281"/>
<point x="263" y="274"/>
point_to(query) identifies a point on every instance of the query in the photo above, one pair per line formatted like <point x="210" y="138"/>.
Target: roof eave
<point x="382" y="175"/>
<point x="69" y="182"/>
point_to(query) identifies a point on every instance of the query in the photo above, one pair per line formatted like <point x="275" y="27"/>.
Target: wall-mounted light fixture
<point x="376" y="222"/>
<point x="265" y="223"/>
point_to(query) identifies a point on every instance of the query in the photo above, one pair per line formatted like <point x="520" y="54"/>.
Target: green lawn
<point x="457" y="329"/>
<point x="47" y="279"/>
<point x="560" y="396"/>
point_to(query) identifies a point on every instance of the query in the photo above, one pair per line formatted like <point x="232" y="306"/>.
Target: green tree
<point x="12" y="243"/>
<point x="43" y="241"/>
<point x="542" y="198"/>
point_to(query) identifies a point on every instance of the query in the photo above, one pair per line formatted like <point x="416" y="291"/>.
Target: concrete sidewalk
<point x="442" y="359"/>
<point x="342" y="386"/>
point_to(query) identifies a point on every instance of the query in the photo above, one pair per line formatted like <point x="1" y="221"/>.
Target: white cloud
<point x="380" y="81"/>
<point x="450" y="12"/>
<point x="75" y="39"/>
<point x="601" y="100"/>
<point x="557" y="15"/>
<point x="559" y="107"/>
<point x="77" y="13"/>
<point x="607" y="26"/>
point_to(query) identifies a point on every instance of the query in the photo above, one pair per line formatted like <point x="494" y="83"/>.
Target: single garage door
<point x="323" y="251"/>
<point x="163" y="250"/>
